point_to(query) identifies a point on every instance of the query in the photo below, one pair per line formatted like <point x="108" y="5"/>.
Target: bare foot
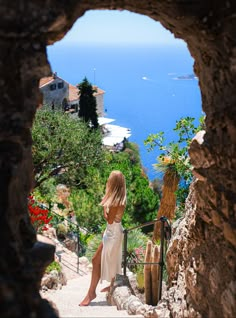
<point x="87" y="300"/>
<point x="105" y="289"/>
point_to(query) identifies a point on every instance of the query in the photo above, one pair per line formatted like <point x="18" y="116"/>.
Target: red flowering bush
<point x="38" y="216"/>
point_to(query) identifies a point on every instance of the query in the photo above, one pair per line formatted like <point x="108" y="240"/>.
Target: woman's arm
<point x="105" y="212"/>
<point x="111" y="215"/>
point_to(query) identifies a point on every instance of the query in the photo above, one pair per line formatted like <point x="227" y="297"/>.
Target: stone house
<point x="201" y="256"/>
<point x="59" y="94"/>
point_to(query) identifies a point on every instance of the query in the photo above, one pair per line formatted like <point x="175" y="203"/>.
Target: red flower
<point x="38" y="216"/>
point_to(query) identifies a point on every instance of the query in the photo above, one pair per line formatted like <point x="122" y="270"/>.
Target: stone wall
<point x="56" y="96"/>
<point x="100" y="104"/>
<point x="202" y="260"/>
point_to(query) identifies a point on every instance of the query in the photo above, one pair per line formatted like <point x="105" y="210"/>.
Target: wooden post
<point x="155" y="274"/>
<point x="147" y="274"/>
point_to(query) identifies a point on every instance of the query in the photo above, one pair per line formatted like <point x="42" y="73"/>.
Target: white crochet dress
<point x="111" y="251"/>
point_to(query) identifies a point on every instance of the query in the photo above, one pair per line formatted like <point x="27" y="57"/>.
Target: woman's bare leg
<point x="107" y="289"/>
<point x="96" y="274"/>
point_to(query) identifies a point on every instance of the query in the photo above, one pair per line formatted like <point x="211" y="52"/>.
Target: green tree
<point x="87" y="103"/>
<point x="142" y="202"/>
<point x="174" y="155"/>
<point x="64" y="148"/>
<point x="66" y="151"/>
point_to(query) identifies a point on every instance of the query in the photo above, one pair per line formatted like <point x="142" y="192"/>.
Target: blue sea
<point x="142" y="88"/>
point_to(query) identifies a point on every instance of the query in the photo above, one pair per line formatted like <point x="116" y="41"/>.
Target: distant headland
<point x="186" y="77"/>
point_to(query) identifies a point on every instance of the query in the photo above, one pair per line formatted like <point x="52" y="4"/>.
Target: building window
<point x="60" y="85"/>
<point x="53" y="87"/>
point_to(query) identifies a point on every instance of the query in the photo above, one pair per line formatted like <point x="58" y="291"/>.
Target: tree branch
<point x="52" y="173"/>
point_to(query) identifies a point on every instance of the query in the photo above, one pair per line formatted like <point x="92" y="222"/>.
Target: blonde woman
<point x="108" y="257"/>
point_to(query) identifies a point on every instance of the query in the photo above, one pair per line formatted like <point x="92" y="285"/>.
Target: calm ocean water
<point x="142" y="92"/>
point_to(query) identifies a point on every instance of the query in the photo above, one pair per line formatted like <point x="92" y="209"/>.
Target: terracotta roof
<point x="99" y="90"/>
<point x="73" y="90"/>
<point x="73" y="93"/>
<point x="45" y="80"/>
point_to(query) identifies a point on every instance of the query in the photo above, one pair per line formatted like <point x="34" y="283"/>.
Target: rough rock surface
<point x="207" y="265"/>
<point x="53" y="280"/>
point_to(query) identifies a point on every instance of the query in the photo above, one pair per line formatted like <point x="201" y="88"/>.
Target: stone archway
<point x="202" y="258"/>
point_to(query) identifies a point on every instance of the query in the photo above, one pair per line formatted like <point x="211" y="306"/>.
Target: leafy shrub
<point x="53" y="266"/>
<point x="83" y="241"/>
<point x="89" y="214"/>
<point x="61" y="231"/>
<point x="92" y="245"/>
<point x="136" y="245"/>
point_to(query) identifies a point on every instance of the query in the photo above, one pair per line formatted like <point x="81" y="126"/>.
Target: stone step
<point x="69" y="262"/>
<point x="98" y="312"/>
<point x="66" y="300"/>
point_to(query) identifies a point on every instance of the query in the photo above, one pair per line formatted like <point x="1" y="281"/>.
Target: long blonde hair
<point x="115" y="194"/>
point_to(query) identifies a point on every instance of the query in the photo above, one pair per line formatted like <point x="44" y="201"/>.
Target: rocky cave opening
<point x="201" y="256"/>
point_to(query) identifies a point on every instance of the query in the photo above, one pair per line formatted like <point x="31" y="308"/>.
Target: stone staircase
<point x="67" y="298"/>
<point x="69" y="261"/>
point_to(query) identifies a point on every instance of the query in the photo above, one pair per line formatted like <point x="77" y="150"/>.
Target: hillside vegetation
<point x="66" y="151"/>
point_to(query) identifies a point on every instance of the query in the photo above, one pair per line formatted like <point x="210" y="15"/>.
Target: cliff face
<point x="202" y="255"/>
<point x="201" y="264"/>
